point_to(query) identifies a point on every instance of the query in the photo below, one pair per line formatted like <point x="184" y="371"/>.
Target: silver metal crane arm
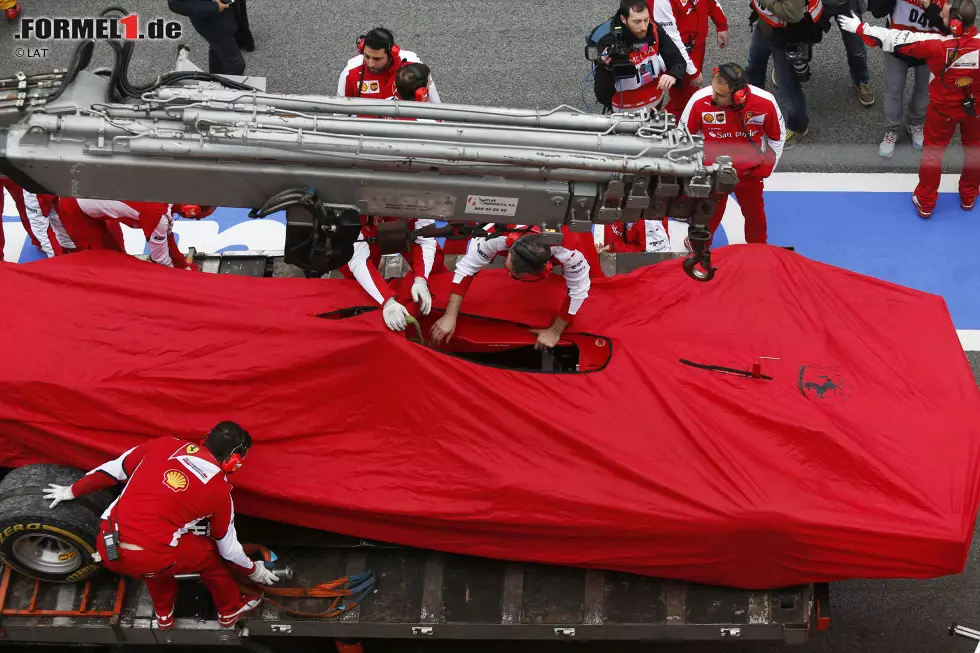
<point x="342" y="158"/>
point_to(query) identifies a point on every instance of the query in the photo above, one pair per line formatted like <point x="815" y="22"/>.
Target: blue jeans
<point x="857" y="52"/>
<point x="790" y="91"/>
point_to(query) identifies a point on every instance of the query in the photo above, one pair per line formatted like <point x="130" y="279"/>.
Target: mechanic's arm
<point x="478" y="255"/>
<point x="789" y="10"/>
<point x="229" y="548"/>
<point x="433" y="91"/>
<point x="663" y="16"/>
<point x="159" y="242"/>
<point x="104" y="476"/>
<point x="374" y="284"/>
<point x="775" y="138"/>
<point x="915" y="44"/>
<point x="673" y="60"/>
<point x="422" y="257"/>
<point x="576" y="271"/>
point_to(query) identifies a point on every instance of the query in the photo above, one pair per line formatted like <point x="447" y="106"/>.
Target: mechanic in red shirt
<point x="692" y="23"/>
<point x="17" y="194"/>
<point x="529" y="258"/>
<point x="94" y="224"/>
<point x="744" y="122"/>
<point x="424" y="258"/>
<point x="172" y="487"/>
<point x="954" y="61"/>
<point x="371" y="74"/>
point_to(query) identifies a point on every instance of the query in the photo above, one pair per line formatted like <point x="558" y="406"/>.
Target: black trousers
<point x="224" y="57"/>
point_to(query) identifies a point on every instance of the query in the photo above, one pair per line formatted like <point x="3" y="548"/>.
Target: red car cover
<point x="854" y="453"/>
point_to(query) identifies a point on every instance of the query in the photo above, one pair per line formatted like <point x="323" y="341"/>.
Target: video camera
<point x="618" y="52"/>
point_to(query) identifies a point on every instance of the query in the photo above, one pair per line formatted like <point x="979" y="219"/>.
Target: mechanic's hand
<point x="723" y="39"/>
<point x="421" y="294"/>
<point x="263" y="576"/>
<point x="394" y="314"/>
<point x="221" y="6"/>
<point x="442" y="330"/>
<point x="698" y="80"/>
<point x="547" y="338"/>
<point x="666" y="82"/>
<point x="57" y="493"/>
<point x="849" y="23"/>
<point x="601" y="248"/>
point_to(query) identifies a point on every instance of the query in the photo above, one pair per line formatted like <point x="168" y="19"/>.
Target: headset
<point x="234" y="460"/>
<point x="515" y="245"/>
<point x="955" y="22"/>
<point x="735" y="76"/>
<point x="422" y="83"/>
<point x="192" y="211"/>
<point x="390" y="46"/>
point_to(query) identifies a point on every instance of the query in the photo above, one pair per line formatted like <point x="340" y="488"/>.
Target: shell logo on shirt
<point x="175" y="480"/>
<point x="369" y="87"/>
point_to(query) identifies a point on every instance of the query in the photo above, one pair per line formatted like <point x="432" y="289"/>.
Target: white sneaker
<point x="918" y="136"/>
<point x="887" y="147"/>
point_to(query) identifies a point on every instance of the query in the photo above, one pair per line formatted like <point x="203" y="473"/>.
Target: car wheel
<point x="51" y="545"/>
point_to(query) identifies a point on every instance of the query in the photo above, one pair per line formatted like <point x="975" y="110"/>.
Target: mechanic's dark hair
<point x="380" y="39"/>
<point x="628" y="6"/>
<point x="411" y="77"/>
<point x="967" y="12"/>
<point x="227" y="438"/>
<point x="530" y="254"/>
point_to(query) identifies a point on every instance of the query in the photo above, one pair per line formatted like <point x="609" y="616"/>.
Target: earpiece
<point x="955" y="22"/>
<point x="735" y="76"/>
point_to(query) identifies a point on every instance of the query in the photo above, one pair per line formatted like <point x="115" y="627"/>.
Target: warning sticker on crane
<point x="408" y="204"/>
<point x="491" y="205"/>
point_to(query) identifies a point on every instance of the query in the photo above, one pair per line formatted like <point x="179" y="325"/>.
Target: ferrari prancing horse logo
<point x="175" y="480"/>
<point x="192" y="448"/>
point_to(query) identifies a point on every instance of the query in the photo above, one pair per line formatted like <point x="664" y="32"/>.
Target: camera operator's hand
<point x="666" y="82"/>
<point x="849" y="23"/>
<point x="723" y="38"/>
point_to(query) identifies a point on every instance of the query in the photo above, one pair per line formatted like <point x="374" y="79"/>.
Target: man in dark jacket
<point x="656" y="62"/>
<point x="215" y="21"/>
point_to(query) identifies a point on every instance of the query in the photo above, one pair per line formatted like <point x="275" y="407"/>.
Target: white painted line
<point x="970" y="338"/>
<point x="886" y="182"/>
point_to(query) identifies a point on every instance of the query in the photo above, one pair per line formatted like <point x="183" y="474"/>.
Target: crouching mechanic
<point x="529" y="258"/>
<point x="422" y="258"/>
<point x="743" y="122"/>
<point x="94" y="224"/>
<point x="657" y="62"/>
<point x="954" y="60"/>
<point x="171" y="487"/>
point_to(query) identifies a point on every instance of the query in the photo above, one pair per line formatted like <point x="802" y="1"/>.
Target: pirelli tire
<point x="54" y="545"/>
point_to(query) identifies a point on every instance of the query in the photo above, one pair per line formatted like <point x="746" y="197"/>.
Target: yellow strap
<point x="418" y="329"/>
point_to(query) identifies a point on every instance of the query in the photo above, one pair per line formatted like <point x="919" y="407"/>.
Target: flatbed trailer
<point x="420" y="594"/>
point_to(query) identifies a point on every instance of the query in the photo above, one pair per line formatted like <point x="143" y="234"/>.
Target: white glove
<point x="394" y="314"/>
<point x="263" y="576"/>
<point x="421" y="294"/>
<point x="57" y="493"/>
<point x="849" y="23"/>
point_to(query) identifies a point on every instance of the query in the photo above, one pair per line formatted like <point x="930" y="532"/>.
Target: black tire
<point x="51" y="545"/>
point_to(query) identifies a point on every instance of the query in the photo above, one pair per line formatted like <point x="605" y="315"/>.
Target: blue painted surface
<point x="878" y="234"/>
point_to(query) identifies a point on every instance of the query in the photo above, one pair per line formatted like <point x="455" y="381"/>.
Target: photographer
<point x="638" y="63"/>
<point x="785" y="30"/>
